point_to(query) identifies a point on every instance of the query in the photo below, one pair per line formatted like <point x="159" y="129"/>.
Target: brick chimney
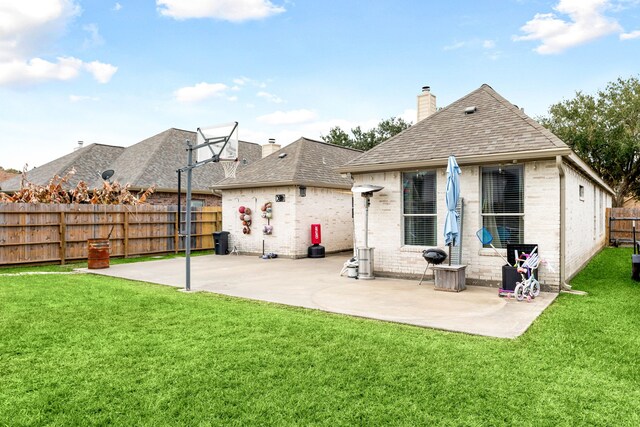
<point x="270" y="148"/>
<point x="426" y="103"/>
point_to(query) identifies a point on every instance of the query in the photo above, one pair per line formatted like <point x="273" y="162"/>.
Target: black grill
<point x="434" y="256"/>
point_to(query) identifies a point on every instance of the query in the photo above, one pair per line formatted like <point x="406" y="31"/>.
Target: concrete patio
<point x="316" y="284"/>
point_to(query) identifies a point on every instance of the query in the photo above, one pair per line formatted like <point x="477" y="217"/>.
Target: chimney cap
<point x="272" y="140"/>
<point x="426" y="88"/>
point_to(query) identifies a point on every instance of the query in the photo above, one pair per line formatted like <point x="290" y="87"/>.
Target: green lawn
<point x="87" y="350"/>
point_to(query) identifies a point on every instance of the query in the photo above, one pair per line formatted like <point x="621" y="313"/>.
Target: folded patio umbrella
<point x="451" y="230"/>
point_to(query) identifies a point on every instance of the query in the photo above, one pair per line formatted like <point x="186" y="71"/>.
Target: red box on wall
<point x="316" y="234"/>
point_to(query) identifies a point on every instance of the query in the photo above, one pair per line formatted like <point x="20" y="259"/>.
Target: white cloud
<point x="226" y="10"/>
<point x="632" y="35"/>
<point x="117" y="7"/>
<point x="409" y="115"/>
<point x="94" y="39"/>
<point x="38" y="70"/>
<point x="270" y="97"/>
<point x="28" y="27"/>
<point x="101" y="72"/>
<point x="200" y="92"/>
<point x="287" y="117"/>
<point x="243" y="81"/>
<point x="454" y="46"/>
<point x="488" y="44"/>
<point x="586" y="22"/>
<point x="80" y="98"/>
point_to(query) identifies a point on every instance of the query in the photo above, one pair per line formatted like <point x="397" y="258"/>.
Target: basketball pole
<point x="187" y="243"/>
<point x="208" y="142"/>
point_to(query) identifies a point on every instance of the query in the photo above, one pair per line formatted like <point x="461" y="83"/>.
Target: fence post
<point x="63" y="238"/>
<point x="126" y="234"/>
<point x="608" y="230"/>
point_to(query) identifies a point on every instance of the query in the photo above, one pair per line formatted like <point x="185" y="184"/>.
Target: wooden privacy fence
<point x="621" y="225"/>
<point x="58" y="233"/>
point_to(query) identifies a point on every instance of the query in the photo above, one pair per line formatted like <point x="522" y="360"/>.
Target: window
<point x="581" y="192"/>
<point x="503" y="204"/>
<point x="419" y="208"/>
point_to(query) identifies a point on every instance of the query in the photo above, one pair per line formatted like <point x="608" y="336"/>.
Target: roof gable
<point x="495" y="127"/>
<point x="154" y="162"/>
<point x="89" y="162"/>
<point x="151" y="162"/>
<point x="303" y="162"/>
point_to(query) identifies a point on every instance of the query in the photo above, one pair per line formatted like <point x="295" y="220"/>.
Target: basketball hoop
<point x="230" y="167"/>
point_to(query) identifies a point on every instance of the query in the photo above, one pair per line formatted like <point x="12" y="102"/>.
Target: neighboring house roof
<point x="153" y="161"/>
<point x="303" y="162"/>
<point x="496" y="129"/>
<point x="4" y="176"/>
<point x="89" y="162"/>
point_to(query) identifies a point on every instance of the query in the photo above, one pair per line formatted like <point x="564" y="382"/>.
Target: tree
<point x="10" y="170"/>
<point x="604" y="130"/>
<point x="366" y="140"/>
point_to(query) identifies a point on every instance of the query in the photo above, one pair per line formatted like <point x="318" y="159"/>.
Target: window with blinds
<point x="503" y="204"/>
<point x="419" y="208"/>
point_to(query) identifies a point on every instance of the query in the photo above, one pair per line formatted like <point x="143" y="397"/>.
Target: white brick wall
<point x="542" y="222"/>
<point x="291" y="220"/>
<point x="585" y="219"/>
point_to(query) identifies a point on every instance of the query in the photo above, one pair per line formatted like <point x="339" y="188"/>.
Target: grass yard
<point x="90" y="350"/>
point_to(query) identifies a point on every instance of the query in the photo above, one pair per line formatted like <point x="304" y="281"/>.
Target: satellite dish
<point x="107" y="174"/>
<point x="364" y="189"/>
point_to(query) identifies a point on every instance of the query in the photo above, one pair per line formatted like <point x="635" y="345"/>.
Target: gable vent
<point x="470" y="110"/>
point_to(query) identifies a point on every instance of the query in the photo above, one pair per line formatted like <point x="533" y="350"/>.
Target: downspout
<point x="563" y="240"/>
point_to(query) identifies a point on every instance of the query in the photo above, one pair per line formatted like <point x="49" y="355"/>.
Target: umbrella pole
<point x="450" y="244"/>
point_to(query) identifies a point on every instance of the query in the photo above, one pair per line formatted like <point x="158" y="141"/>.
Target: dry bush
<point x="55" y="192"/>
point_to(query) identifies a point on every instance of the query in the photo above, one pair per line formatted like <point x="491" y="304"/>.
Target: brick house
<point x="303" y="187"/>
<point x="151" y="162"/>
<point x="518" y="179"/>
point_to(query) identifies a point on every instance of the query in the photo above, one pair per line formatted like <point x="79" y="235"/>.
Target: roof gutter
<point x="462" y="160"/>
<point x="573" y="158"/>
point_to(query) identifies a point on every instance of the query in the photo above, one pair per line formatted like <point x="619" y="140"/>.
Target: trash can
<point x="635" y="267"/>
<point x="221" y="242"/>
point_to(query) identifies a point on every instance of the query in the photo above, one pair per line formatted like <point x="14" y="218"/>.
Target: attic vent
<point x="470" y="110"/>
<point x="282" y="155"/>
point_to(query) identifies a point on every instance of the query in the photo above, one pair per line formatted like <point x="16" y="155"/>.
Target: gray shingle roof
<point x="496" y="127"/>
<point x="89" y="162"/>
<point x="307" y="162"/>
<point x="153" y="161"/>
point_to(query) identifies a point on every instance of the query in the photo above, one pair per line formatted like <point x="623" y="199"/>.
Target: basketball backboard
<point x="222" y="142"/>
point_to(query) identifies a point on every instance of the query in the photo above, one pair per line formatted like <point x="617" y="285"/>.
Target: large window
<point x="503" y="204"/>
<point x="419" y="208"/>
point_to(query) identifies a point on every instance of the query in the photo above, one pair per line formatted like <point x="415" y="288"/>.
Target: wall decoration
<point x="245" y="218"/>
<point x="267" y="214"/>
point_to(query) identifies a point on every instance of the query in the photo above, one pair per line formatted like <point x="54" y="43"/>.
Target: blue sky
<point x="118" y="72"/>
